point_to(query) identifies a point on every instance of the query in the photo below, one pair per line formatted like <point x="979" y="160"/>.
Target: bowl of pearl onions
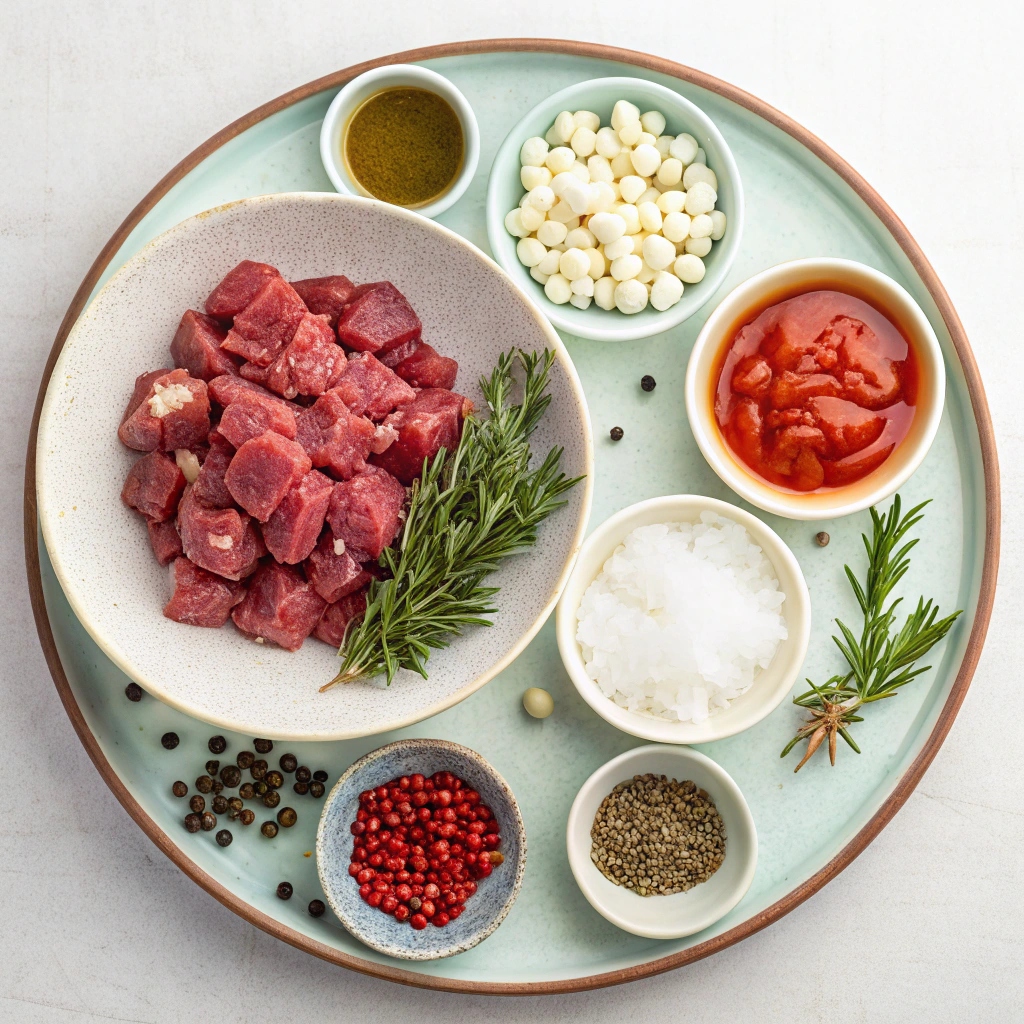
<point x="616" y="205"/>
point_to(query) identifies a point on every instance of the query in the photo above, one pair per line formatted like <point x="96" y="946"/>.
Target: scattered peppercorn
<point x="247" y="817"/>
<point x="220" y="804"/>
<point x="263" y="746"/>
<point x="284" y="890"/>
<point x="133" y="692"/>
<point x="320" y="775"/>
<point x="198" y="804"/>
<point x="193" y="822"/>
<point x="258" y="769"/>
<point x="218" y="786"/>
<point x="616" y="433"/>
<point x="234" y="807"/>
<point x="274" y="779"/>
<point x="217" y="744"/>
<point x="647" y="382"/>
<point x="230" y="776"/>
<point x="288" y="763"/>
<point x="271" y="798"/>
<point x="303" y="774"/>
<point x="316" y="908"/>
<point x="261" y="788"/>
<point x="286" y="817"/>
<point x="822" y="539"/>
<point x="209" y="822"/>
<point x="316" y="789"/>
<point x="246" y="791"/>
<point x="179" y="789"/>
<point x="245" y="759"/>
<point x="169" y="740"/>
<point x="269" y="829"/>
<point x="204" y="784"/>
<point x="302" y="788"/>
<point x="212" y="767"/>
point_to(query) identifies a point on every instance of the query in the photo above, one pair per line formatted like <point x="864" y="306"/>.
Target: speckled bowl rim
<point x="366" y="761"/>
<point x="47" y="514"/>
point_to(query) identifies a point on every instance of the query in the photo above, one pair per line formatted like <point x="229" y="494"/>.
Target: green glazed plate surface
<point x="796" y="206"/>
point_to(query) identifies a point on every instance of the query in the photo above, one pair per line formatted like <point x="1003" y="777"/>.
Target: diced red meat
<point x="378" y="320"/>
<point x="267" y="324"/>
<point x="218" y="539"/>
<point x="209" y="486"/>
<point x="201" y="598"/>
<point x="225" y="390"/>
<point x="334" y="437"/>
<point x="280" y="606"/>
<point x="173" y="413"/>
<point x="383" y="438"/>
<point x="309" y="362"/>
<point x="362" y="289"/>
<point x="334" y="574"/>
<point x="164" y="539"/>
<point x="238" y="289"/>
<point x="424" y="367"/>
<point x="263" y="471"/>
<point x="257" y="374"/>
<point x="426" y="425"/>
<point x="291" y="532"/>
<point x="336" y="617"/>
<point x="326" y="295"/>
<point x="143" y="389"/>
<point x="251" y="415"/>
<point x="365" y="513"/>
<point x="370" y="389"/>
<point x="394" y="356"/>
<point x="196" y="347"/>
<point x="154" y="486"/>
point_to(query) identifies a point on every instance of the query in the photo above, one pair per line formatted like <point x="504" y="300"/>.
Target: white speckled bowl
<point x="100" y="551"/>
<point x="484" y="910"/>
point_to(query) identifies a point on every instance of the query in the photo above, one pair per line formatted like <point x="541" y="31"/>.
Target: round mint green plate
<point x="802" y="200"/>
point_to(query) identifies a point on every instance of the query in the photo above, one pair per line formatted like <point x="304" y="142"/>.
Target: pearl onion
<point x="586" y="119"/>
<point x="698" y="246"/>
<point x="579" y="169"/>
<point x="647" y="139"/>
<point x="701" y="198"/>
<point x="607" y="227"/>
<point x="551" y="232"/>
<point x="622" y="164"/>
<point x="573" y="264"/>
<point x="538" y="276"/>
<point x="559" y="159"/>
<point x="580" y="238"/>
<point x="626" y="267"/>
<point x="627" y="211"/>
<point x="577" y="195"/>
<point x="604" y="292"/>
<point x="597" y="263"/>
<point x="653" y="122"/>
<point x="631" y="187"/>
<point x="531" y="177"/>
<point x="689" y="268"/>
<point x="658" y="251"/>
<point x="624" y="113"/>
<point x="620" y="247"/>
<point x="514" y="224"/>
<point x="549" y="265"/>
<point x="607" y="143"/>
<point x="530" y="251"/>
<point x="565" y="125"/>
<point x="670" y="172"/>
<point x="699" y="172"/>
<point x="542" y="198"/>
<point x="602" y="197"/>
<point x="700" y="227"/>
<point x="647" y="274"/>
<point x="552" y="138"/>
<point x="557" y="289"/>
<point x="630" y="297"/>
<point x="650" y="195"/>
<point x="600" y="169"/>
<point x="583" y="141"/>
<point x="650" y="216"/>
<point x="683" y="148"/>
<point x="676" y="226"/>
<point x="666" y="291"/>
<point x="718" y="225"/>
<point x="671" y="202"/>
<point x="663" y="144"/>
<point x="701" y="157"/>
<point x="562" y="211"/>
<point x="629" y="134"/>
<point x="638" y="242"/>
<point x="583" y="285"/>
<point x="581" y="301"/>
<point x="531" y="218"/>
<point x="533" y="152"/>
<point x="560" y="181"/>
<point x="646" y="160"/>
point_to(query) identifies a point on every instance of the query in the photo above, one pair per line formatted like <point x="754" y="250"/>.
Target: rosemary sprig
<point x="469" y="509"/>
<point x="882" y="659"/>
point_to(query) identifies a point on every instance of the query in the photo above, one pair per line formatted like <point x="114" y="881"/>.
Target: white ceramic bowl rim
<point x="353" y="93"/>
<point x="883" y="481"/>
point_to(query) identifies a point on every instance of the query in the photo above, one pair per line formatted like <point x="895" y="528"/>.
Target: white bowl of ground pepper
<point x="701" y="844"/>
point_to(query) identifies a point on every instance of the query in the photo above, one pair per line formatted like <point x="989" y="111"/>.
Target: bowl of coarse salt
<point x="685" y="620"/>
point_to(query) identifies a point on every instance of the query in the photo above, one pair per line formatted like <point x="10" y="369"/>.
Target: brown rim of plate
<point x="906" y="784"/>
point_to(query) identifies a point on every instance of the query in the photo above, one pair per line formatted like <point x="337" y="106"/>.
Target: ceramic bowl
<point x="494" y="897"/>
<point x="683" y="913"/>
<point x="773" y="285"/>
<point x="99" y="548"/>
<point x="770" y="686"/>
<point x="504" y="190"/>
<point x="391" y="76"/>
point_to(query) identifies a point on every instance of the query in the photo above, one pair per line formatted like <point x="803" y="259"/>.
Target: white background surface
<point x="98" y="101"/>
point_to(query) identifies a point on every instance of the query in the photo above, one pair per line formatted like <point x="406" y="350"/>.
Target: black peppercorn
<point x="288" y="762"/>
<point x="286" y="817"/>
<point x="218" y="786"/>
<point x="193" y="822"/>
<point x="246" y="792"/>
<point x="647" y="382"/>
<point x="284" y="891"/>
<point x="224" y="837"/>
<point x="245" y="759"/>
<point x="169" y="740"/>
<point x="133" y="692"/>
<point x="179" y="789"/>
<point x="212" y="767"/>
<point x="320" y="775"/>
<point x="209" y="822"/>
<point x="217" y="744"/>
<point x="247" y="817"/>
<point x="261" y="788"/>
<point x="220" y="805"/>
<point x="316" y="789"/>
<point x="230" y="776"/>
<point x="821" y="539"/>
<point x="204" y="784"/>
<point x="235" y="804"/>
<point x="303" y="774"/>
<point x="198" y="804"/>
<point x="302" y="788"/>
<point x="271" y="798"/>
<point x="274" y="779"/>
<point x="263" y="746"/>
<point x="258" y="769"/>
<point x="616" y="433"/>
<point x="316" y="908"/>
<point x="269" y="829"/>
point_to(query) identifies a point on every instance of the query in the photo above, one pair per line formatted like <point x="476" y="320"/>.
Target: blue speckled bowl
<point x="494" y="897"/>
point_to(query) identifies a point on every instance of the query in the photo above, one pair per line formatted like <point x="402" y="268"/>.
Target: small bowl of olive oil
<point x="404" y="135"/>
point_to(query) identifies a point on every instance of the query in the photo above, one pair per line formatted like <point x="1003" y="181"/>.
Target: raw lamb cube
<point x="291" y="532"/>
<point x="251" y="415"/>
<point x="332" y="570"/>
<point x="336" y="617"/>
<point x="196" y="347"/>
<point x="326" y="295"/>
<point x="143" y="389"/>
<point x="209" y="487"/>
<point x="173" y="413"/>
<point x="426" y="425"/>
<point x="238" y="289"/>
<point x="154" y="486"/>
<point x="424" y="367"/>
<point x="370" y="389"/>
<point x="280" y="606"/>
<point x="218" y="539"/>
<point x="263" y="471"/>
<point x="335" y="438"/>
<point x="309" y="362"/>
<point x="201" y="598"/>
<point x="267" y="324"/>
<point x="164" y="539"/>
<point x="365" y="513"/>
<point x="225" y="390"/>
<point x="379" y="319"/>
